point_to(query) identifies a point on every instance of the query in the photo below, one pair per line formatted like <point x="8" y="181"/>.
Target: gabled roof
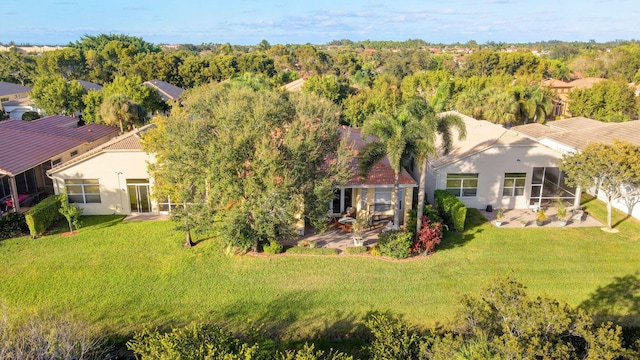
<point x="585" y="83"/>
<point x="295" y="85"/>
<point x="30" y="143"/>
<point x="578" y="132"/>
<point x="481" y="135"/>
<point x="381" y="174"/>
<point x="60" y="125"/>
<point x="7" y="88"/>
<point x="167" y="91"/>
<point x="88" y="85"/>
<point x="130" y="141"/>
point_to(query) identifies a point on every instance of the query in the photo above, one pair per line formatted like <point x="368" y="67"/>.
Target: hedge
<point x="452" y="210"/>
<point x="46" y="213"/>
<point x="355" y="250"/>
<point x="12" y="224"/>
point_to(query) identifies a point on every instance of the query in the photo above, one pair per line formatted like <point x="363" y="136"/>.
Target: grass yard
<point x="122" y="276"/>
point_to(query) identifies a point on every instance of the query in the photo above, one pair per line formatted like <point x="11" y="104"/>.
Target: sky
<point x="247" y="22"/>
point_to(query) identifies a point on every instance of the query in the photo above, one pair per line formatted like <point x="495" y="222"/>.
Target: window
<point x="74" y="153"/>
<point x="514" y="184"/>
<point x="56" y="162"/>
<point x="462" y="185"/>
<point x="83" y="191"/>
<point x="383" y="196"/>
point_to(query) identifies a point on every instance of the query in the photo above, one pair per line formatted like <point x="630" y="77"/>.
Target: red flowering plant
<point x="429" y="236"/>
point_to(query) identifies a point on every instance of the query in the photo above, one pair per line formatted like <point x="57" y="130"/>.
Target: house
<point x="33" y="147"/>
<point x="14" y="99"/>
<point x="90" y="86"/>
<point x="498" y="167"/>
<point x="561" y="92"/>
<point x="167" y="91"/>
<point x="111" y="179"/>
<point x="574" y="134"/>
<point x="371" y="196"/>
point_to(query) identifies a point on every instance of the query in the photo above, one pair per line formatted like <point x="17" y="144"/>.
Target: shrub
<point x="428" y="211"/>
<point x="30" y="115"/>
<point x="354" y="250"/>
<point x="308" y="352"/>
<point x="392" y="339"/>
<point x="40" y="217"/>
<point x="395" y="243"/>
<point x="375" y="251"/>
<point x="273" y="247"/>
<point x="312" y="251"/>
<point x="195" y="341"/>
<point x="13" y="224"/>
<point x="452" y="210"/>
<point x="429" y="236"/>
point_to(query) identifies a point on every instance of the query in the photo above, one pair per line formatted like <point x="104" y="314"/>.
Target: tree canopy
<point x="258" y="159"/>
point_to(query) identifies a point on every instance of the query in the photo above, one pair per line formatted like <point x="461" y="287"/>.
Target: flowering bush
<point x="429" y="236"/>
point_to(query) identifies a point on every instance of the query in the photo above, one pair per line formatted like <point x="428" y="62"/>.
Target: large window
<point x="83" y="191"/>
<point x="514" y="184"/>
<point x="462" y="185"/>
<point x="384" y="195"/>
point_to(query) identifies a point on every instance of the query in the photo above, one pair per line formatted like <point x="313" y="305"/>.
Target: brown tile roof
<point x="30" y="143"/>
<point x="585" y="83"/>
<point x="130" y="141"/>
<point x="60" y="125"/>
<point x="380" y="174"/>
<point x="25" y="150"/>
<point x="577" y="132"/>
<point x="481" y="135"/>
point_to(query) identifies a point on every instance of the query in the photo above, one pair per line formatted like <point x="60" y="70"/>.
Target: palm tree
<point x="396" y="135"/>
<point x="502" y="106"/>
<point x="433" y="125"/>
<point x="534" y="104"/>
<point x="119" y="110"/>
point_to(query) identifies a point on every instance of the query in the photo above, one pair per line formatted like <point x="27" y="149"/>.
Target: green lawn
<point x="122" y="276"/>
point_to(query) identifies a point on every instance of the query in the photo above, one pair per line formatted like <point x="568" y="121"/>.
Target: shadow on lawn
<point x="618" y="302"/>
<point x="472" y="226"/>
<point x="284" y="318"/>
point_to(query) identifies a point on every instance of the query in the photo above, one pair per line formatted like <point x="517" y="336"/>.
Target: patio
<point x="337" y="238"/>
<point x="512" y="218"/>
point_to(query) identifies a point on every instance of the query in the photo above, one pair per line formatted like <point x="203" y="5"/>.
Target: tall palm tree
<point x="534" y="103"/>
<point x="502" y="106"/>
<point x="396" y="135"/>
<point x="119" y="110"/>
<point x="426" y="146"/>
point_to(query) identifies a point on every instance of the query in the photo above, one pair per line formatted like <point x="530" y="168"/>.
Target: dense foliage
<point x="452" y="210"/>
<point x="13" y="224"/>
<point x="257" y="159"/>
<point x="44" y="214"/>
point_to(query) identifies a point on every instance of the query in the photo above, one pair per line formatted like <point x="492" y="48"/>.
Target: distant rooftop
<point x="7" y="88"/>
<point x="166" y="90"/>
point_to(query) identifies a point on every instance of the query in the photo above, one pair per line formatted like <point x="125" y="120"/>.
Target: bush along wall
<point x="46" y="213"/>
<point x="452" y="210"/>
<point x="12" y="224"/>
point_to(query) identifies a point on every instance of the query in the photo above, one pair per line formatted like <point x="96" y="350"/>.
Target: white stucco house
<point x="498" y="167"/>
<point x="111" y="179"/>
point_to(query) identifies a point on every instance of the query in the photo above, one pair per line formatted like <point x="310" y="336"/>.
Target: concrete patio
<point x="336" y="238"/>
<point x="512" y="219"/>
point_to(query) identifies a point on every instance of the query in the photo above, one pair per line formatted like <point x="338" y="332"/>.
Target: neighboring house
<point x="498" y="167"/>
<point x="33" y="147"/>
<point x="561" y="92"/>
<point x="371" y="196"/>
<point x="295" y="85"/>
<point x="574" y="134"/>
<point x="167" y="91"/>
<point x="14" y="99"/>
<point x="111" y="179"/>
<point x="89" y="86"/>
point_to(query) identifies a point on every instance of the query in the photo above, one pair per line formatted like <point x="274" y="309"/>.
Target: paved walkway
<point x="512" y="219"/>
<point x="145" y="217"/>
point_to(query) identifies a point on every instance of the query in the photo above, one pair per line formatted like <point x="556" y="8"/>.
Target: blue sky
<point x="247" y="22"/>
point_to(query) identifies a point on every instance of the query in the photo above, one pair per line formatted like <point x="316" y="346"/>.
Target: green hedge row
<point x="452" y="210"/>
<point x="313" y="251"/>
<point x="355" y="250"/>
<point x="46" y="213"/>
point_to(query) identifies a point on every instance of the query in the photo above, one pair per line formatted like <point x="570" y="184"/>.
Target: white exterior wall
<point x="621" y="204"/>
<point x="112" y="169"/>
<point x="491" y="165"/>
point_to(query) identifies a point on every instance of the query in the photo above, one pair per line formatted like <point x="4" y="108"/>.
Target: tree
<point x="612" y="169"/>
<point x="500" y="107"/>
<point x="16" y="68"/>
<point x="609" y="100"/>
<point x="258" y="159"/>
<point x="533" y="103"/>
<point x="328" y="86"/>
<point x="68" y="63"/>
<point x="55" y="95"/>
<point x="433" y="126"/>
<point x="118" y="109"/>
<point x="396" y="137"/>
<point x="71" y="212"/>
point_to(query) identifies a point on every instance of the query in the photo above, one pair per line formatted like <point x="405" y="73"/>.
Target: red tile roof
<point x="380" y="174"/>
<point x="30" y="143"/>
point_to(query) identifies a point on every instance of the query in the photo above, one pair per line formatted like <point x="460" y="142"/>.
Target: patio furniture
<point x="346" y="222"/>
